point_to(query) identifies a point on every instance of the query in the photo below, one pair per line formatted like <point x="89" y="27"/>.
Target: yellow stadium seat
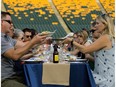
<point x="31" y="19"/>
<point x="19" y="18"/>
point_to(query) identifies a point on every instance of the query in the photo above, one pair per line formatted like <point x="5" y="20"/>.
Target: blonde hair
<point x="109" y="23"/>
<point x="84" y="35"/>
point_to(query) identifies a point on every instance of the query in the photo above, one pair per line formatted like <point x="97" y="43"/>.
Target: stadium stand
<point x="79" y="14"/>
<point x="38" y="14"/>
<point x="109" y="5"/>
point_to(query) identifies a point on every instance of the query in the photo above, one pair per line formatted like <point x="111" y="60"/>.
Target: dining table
<point x="80" y="74"/>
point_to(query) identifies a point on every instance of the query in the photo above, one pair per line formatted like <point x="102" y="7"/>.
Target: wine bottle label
<point x="56" y="57"/>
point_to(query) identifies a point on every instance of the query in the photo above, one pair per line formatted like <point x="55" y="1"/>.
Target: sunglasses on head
<point x="9" y="21"/>
<point x="92" y="31"/>
<point x="103" y="16"/>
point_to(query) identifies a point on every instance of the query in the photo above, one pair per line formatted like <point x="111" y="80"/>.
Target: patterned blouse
<point x="104" y="72"/>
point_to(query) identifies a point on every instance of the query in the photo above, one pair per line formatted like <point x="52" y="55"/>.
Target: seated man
<point x="9" y="53"/>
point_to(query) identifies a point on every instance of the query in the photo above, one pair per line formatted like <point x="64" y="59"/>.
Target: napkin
<point x="56" y="74"/>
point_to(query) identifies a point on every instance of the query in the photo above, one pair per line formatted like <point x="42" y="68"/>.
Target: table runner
<point x="56" y="73"/>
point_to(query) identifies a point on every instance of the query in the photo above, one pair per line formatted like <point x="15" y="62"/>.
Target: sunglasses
<point x="28" y="36"/>
<point x="22" y="38"/>
<point x="92" y="31"/>
<point x="10" y="22"/>
<point x="103" y="16"/>
<point x="74" y="37"/>
<point x="79" y="36"/>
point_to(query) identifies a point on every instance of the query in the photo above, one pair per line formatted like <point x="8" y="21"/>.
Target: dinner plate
<point x="77" y="60"/>
<point x="28" y="61"/>
<point x="51" y="33"/>
<point x="37" y="55"/>
<point x="47" y="34"/>
<point x="33" y="60"/>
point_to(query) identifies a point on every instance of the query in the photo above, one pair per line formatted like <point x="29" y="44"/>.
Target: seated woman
<point x="81" y="38"/>
<point x="19" y="36"/>
<point x="104" y="48"/>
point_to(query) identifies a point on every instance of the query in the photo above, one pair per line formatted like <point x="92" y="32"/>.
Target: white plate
<point x="47" y="34"/>
<point x="28" y="60"/>
<point x="37" y="55"/>
<point x="77" y="60"/>
<point x="34" y="59"/>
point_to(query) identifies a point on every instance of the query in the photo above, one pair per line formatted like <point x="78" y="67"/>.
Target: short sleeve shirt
<point x="7" y="64"/>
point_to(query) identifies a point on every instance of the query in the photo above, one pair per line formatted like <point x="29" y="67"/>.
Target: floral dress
<point x="104" y="72"/>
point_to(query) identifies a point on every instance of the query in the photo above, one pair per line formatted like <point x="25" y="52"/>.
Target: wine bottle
<point x="55" y="54"/>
